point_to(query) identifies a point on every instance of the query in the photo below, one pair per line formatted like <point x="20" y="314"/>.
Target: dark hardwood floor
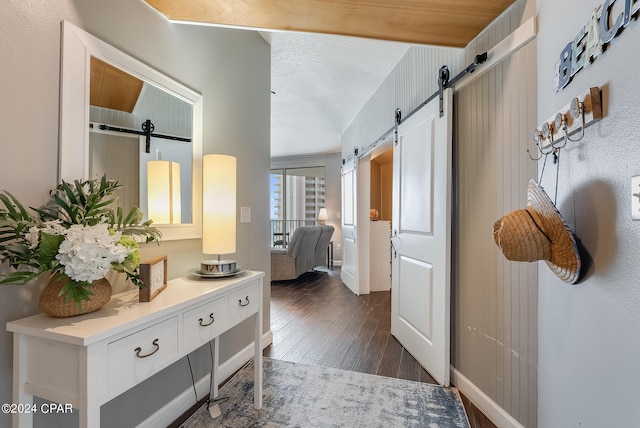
<point x="317" y="320"/>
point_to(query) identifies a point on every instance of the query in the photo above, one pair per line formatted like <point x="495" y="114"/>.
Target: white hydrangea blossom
<point x="88" y="251"/>
<point x="54" y="227"/>
<point x="33" y="237"/>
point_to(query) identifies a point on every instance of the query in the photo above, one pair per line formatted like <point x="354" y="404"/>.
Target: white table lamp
<point x="218" y="212"/>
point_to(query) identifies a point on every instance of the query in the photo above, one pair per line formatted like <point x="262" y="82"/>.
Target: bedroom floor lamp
<point x="218" y="212"/>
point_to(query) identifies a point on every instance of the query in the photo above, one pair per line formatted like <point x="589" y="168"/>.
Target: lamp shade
<point x="323" y="215"/>
<point x="163" y="192"/>
<point x="218" y="204"/>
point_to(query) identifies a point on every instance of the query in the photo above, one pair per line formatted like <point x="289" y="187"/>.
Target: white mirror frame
<point x="78" y="47"/>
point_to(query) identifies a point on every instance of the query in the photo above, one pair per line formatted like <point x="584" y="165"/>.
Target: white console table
<point x="89" y="359"/>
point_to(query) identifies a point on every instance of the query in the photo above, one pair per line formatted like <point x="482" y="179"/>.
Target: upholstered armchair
<point x="326" y="232"/>
<point x="302" y="254"/>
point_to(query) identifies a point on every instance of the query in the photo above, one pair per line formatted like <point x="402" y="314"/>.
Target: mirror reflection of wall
<point x="121" y="100"/>
<point x="118" y="157"/>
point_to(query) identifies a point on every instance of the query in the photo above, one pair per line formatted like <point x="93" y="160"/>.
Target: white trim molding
<point x="505" y="48"/>
<point x="482" y="401"/>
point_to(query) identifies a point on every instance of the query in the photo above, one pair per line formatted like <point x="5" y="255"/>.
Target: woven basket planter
<point x="51" y="303"/>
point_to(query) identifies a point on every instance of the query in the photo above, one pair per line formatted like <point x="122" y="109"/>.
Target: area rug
<point x="298" y="395"/>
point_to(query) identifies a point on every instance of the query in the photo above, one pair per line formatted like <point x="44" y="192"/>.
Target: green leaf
<point x="76" y="291"/>
<point x="10" y="206"/>
<point x="105" y="203"/>
<point x="15" y="209"/>
<point x="119" y="217"/>
<point x="67" y="208"/>
<point x="68" y="190"/>
<point x="21" y="277"/>
<point x="80" y="193"/>
<point x="48" y="248"/>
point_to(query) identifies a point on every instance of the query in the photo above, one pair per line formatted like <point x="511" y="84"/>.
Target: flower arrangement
<point x="76" y="234"/>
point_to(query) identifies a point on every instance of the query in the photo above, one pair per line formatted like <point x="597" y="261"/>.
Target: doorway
<point x="371" y="205"/>
<point x="380" y="215"/>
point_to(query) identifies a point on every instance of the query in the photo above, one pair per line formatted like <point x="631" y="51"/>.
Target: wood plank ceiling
<point x="113" y="88"/>
<point x="452" y="23"/>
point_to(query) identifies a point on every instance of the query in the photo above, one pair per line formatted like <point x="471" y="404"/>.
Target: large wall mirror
<point x="110" y="103"/>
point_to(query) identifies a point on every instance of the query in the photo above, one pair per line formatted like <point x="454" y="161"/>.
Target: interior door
<point x="421" y="267"/>
<point x="349" y="271"/>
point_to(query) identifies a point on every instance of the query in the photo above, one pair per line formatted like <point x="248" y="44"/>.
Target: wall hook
<point x="548" y="134"/>
<point x="538" y="138"/>
<point x="576" y="109"/>
<point x="587" y="107"/>
<point x="539" y="151"/>
<point x="561" y="123"/>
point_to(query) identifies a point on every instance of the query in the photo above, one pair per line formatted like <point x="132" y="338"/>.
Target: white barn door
<point x="421" y="266"/>
<point x="349" y="270"/>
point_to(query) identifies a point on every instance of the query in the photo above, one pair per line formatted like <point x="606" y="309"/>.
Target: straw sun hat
<point x="539" y="233"/>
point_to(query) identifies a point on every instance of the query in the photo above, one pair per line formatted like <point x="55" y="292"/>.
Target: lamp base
<point x="217" y="266"/>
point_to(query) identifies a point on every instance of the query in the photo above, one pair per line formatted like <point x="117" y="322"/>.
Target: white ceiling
<point x="321" y="82"/>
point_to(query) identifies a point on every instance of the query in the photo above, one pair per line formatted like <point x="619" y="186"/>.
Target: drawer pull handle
<point x="244" y="304"/>
<point x="139" y="349"/>
<point x="208" y="324"/>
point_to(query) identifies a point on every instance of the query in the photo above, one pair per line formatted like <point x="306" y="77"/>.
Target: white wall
<point x="588" y="344"/>
<point x="232" y="71"/>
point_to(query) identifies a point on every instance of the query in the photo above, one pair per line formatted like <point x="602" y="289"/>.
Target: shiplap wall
<point x="412" y="81"/>
<point x="494" y="323"/>
<point x="118" y="156"/>
<point x="169" y="114"/>
<point x="494" y="301"/>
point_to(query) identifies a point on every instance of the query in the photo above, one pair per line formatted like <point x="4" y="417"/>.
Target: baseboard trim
<point x="176" y="407"/>
<point x="482" y="401"/>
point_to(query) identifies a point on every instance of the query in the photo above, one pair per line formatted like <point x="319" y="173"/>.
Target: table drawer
<point x="202" y="324"/>
<point x="141" y="354"/>
<point x="243" y="303"/>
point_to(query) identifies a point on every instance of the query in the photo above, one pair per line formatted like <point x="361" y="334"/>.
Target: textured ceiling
<point x="321" y="82"/>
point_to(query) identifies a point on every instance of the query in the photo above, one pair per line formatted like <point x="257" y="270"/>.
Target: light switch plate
<point x="635" y="197"/>
<point x="245" y="214"/>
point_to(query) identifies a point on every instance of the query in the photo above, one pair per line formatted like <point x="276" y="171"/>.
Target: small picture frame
<point x="154" y="275"/>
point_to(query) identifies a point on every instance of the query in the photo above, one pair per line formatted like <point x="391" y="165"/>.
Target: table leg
<point x="257" y="357"/>
<point x="20" y="419"/>
<point x="214" y="372"/>
<point x="90" y="376"/>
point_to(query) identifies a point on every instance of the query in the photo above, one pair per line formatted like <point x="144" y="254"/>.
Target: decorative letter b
<point x="564" y="70"/>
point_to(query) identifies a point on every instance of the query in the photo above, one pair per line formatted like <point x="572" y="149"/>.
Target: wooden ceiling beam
<point x="451" y="23"/>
